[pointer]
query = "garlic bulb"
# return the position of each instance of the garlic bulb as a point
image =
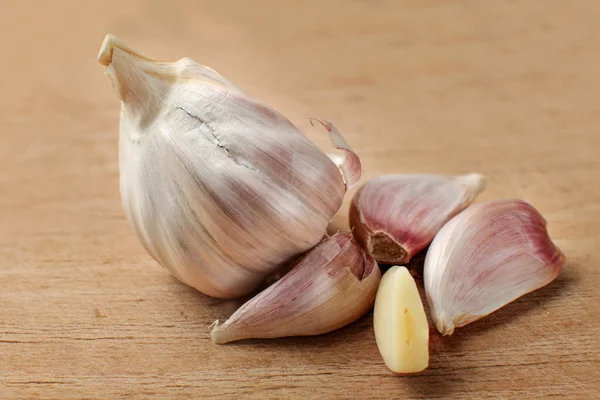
(333, 285)
(396, 216)
(487, 256)
(400, 323)
(220, 188)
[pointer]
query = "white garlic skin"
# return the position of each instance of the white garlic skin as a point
(220, 188)
(485, 257)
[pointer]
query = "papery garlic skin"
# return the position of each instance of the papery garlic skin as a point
(220, 188)
(487, 256)
(400, 323)
(396, 216)
(333, 285)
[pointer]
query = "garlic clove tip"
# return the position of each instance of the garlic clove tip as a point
(472, 183)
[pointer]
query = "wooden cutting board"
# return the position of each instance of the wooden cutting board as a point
(510, 89)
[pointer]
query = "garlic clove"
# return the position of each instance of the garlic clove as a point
(484, 258)
(396, 216)
(221, 189)
(400, 323)
(333, 285)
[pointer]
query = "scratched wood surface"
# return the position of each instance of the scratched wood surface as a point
(510, 89)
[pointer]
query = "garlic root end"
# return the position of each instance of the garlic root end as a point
(385, 249)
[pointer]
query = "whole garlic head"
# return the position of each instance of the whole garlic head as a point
(220, 188)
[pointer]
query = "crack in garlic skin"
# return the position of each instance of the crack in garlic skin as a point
(212, 131)
(220, 189)
(486, 257)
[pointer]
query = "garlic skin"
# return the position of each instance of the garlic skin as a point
(333, 285)
(220, 188)
(394, 217)
(400, 323)
(487, 256)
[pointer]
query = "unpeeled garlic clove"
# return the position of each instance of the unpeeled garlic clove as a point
(400, 323)
(220, 188)
(484, 258)
(333, 285)
(396, 216)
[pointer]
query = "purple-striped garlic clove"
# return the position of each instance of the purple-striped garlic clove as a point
(333, 285)
(484, 258)
(396, 216)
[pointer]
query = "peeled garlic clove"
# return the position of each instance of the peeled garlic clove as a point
(333, 285)
(401, 328)
(220, 188)
(396, 216)
(484, 258)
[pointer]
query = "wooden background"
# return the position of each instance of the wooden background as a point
(510, 89)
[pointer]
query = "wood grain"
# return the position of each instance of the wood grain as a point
(510, 89)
